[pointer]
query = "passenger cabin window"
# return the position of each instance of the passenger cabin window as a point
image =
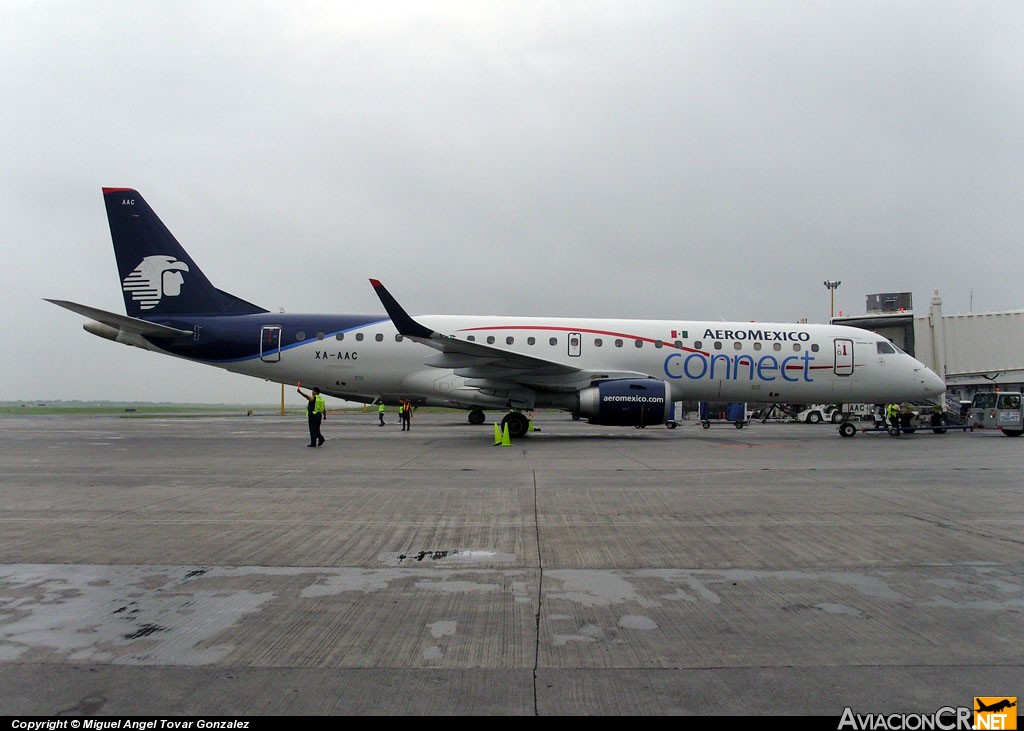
(796, 347)
(598, 342)
(776, 346)
(553, 341)
(471, 338)
(531, 340)
(379, 337)
(737, 345)
(300, 335)
(638, 343)
(679, 344)
(618, 342)
(757, 346)
(697, 344)
(659, 344)
(718, 345)
(339, 336)
(319, 336)
(814, 347)
(490, 340)
(509, 340)
(359, 337)
(398, 338)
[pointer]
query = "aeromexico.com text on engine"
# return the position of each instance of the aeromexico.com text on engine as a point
(635, 399)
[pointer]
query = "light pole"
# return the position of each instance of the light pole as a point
(832, 291)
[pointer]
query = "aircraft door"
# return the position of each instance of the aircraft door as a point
(270, 343)
(575, 345)
(844, 357)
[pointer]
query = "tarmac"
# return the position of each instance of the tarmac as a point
(216, 566)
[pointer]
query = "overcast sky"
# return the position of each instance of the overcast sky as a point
(680, 159)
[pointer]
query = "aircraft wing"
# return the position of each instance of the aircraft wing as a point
(123, 322)
(490, 365)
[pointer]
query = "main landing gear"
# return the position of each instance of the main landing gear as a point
(517, 423)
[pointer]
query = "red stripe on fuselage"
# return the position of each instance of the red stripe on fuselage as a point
(610, 333)
(558, 328)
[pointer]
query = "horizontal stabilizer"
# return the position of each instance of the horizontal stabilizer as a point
(122, 322)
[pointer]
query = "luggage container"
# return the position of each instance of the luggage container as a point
(723, 413)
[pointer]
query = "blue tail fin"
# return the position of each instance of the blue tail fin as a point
(158, 277)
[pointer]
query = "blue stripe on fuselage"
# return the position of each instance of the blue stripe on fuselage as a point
(236, 338)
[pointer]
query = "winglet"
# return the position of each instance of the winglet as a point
(403, 323)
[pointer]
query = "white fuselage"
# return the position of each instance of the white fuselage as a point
(713, 361)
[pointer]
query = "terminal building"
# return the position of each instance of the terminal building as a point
(972, 351)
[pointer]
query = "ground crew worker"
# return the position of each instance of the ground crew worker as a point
(380, 413)
(405, 411)
(316, 411)
(892, 411)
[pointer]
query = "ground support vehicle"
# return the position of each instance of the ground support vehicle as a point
(817, 413)
(730, 413)
(935, 422)
(1003, 410)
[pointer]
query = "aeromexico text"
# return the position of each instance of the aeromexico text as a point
(698, 366)
(791, 336)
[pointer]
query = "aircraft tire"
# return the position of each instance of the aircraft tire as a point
(477, 417)
(517, 423)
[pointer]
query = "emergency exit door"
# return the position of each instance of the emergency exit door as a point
(575, 345)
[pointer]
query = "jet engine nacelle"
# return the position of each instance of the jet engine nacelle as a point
(633, 402)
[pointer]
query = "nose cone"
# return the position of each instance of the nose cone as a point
(933, 385)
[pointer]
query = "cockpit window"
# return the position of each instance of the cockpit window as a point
(885, 348)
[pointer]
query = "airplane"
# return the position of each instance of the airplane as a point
(996, 707)
(613, 372)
